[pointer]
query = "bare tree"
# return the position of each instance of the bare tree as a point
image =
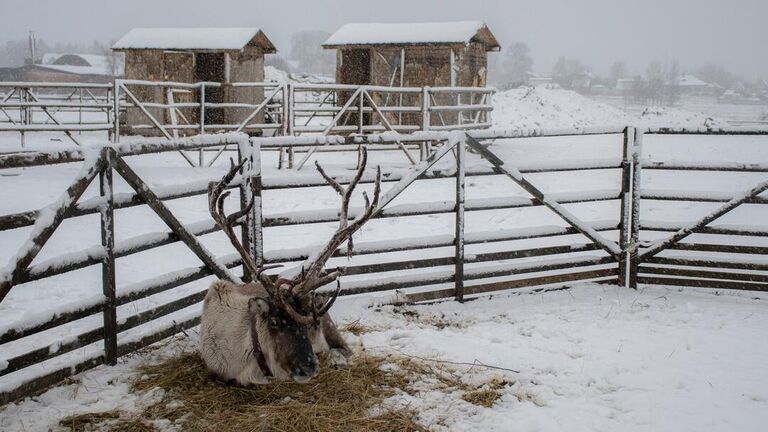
(306, 48)
(618, 71)
(517, 65)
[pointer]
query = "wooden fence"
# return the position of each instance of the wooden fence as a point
(27, 107)
(727, 257)
(445, 269)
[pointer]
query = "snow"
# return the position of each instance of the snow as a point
(212, 38)
(591, 358)
(544, 107)
(460, 32)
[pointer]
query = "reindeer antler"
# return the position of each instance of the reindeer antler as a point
(312, 275)
(217, 194)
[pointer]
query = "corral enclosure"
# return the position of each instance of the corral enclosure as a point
(510, 238)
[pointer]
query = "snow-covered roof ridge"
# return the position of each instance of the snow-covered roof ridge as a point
(424, 33)
(194, 38)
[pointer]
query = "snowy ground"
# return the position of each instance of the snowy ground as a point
(592, 358)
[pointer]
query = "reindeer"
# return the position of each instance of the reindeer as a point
(274, 326)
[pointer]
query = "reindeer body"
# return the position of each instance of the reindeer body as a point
(231, 318)
(275, 327)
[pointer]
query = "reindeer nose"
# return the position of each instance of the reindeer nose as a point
(303, 372)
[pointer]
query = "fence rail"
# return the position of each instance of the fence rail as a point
(70, 108)
(578, 250)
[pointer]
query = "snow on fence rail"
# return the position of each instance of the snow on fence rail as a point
(443, 270)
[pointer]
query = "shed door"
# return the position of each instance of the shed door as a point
(356, 69)
(357, 66)
(210, 67)
(178, 66)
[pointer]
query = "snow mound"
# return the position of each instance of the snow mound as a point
(553, 108)
(675, 118)
(274, 74)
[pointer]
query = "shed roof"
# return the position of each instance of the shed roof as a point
(427, 33)
(194, 39)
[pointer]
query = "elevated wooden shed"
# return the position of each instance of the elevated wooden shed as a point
(436, 54)
(191, 55)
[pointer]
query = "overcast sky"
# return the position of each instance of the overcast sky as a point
(729, 32)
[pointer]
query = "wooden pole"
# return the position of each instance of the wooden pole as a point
(116, 112)
(634, 239)
(625, 227)
(108, 262)
(459, 233)
(402, 83)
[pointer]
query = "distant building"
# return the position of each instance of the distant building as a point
(625, 84)
(535, 79)
(434, 54)
(83, 64)
(430, 54)
(70, 67)
(190, 55)
(691, 85)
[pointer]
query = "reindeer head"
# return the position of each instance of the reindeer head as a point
(289, 311)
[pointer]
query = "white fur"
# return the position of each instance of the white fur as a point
(225, 334)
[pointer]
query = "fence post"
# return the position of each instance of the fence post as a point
(250, 188)
(425, 120)
(202, 108)
(286, 107)
(626, 205)
(108, 262)
(360, 109)
(116, 112)
(459, 235)
(634, 240)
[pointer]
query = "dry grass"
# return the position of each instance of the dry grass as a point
(357, 328)
(485, 398)
(335, 400)
(486, 395)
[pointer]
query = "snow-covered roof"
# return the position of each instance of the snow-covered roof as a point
(196, 39)
(691, 81)
(88, 64)
(427, 33)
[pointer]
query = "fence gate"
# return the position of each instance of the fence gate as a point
(720, 263)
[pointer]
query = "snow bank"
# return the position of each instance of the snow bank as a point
(675, 118)
(547, 108)
(274, 74)
(554, 108)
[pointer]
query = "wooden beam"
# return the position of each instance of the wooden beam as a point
(695, 226)
(46, 226)
(162, 211)
(612, 248)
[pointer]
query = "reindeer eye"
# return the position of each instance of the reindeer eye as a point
(274, 322)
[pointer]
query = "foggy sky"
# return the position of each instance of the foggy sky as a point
(732, 33)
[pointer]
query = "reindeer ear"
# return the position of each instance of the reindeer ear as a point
(258, 306)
